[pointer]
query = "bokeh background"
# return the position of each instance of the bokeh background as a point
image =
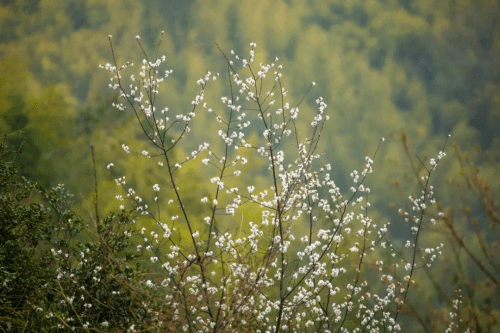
(409, 71)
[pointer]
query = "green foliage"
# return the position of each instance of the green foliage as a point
(24, 225)
(57, 271)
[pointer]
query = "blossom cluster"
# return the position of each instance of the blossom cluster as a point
(314, 259)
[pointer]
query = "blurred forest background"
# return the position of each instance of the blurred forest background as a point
(410, 71)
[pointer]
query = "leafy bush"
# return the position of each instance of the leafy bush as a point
(58, 272)
(23, 225)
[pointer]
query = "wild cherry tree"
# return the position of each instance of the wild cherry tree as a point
(313, 261)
